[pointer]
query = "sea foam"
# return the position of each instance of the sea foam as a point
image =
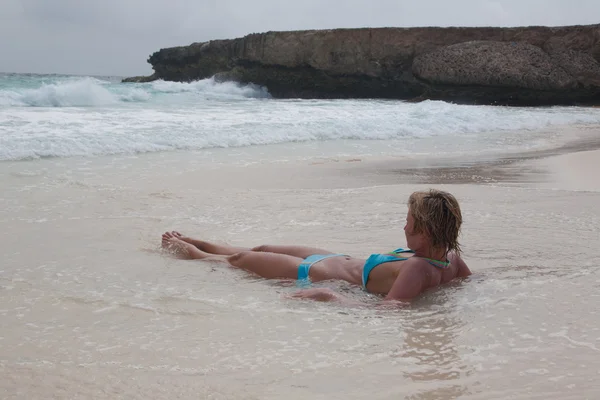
(75, 116)
(92, 92)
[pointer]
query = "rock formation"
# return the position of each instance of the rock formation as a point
(513, 66)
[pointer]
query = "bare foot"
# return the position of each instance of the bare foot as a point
(199, 244)
(179, 236)
(208, 247)
(182, 249)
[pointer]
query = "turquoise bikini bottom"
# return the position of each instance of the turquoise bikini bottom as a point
(309, 261)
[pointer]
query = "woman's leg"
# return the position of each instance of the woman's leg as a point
(296, 251)
(208, 247)
(267, 265)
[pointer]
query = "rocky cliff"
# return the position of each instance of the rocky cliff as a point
(515, 66)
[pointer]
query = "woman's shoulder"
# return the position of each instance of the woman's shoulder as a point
(462, 268)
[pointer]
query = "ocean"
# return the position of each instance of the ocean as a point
(93, 171)
(46, 116)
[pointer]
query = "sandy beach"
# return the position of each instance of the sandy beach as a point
(91, 308)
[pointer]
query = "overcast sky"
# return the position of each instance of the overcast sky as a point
(115, 37)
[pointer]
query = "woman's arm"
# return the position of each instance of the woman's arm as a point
(328, 295)
(410, 283)
(325, 295)
(317, 294)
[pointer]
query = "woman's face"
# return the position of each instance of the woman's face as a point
(413, 240)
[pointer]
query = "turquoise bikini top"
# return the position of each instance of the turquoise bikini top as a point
(436, 263)
(377, 259)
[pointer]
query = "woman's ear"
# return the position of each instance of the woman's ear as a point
(427, 232)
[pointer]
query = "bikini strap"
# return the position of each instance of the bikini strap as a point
(401, 250)
(437, 263)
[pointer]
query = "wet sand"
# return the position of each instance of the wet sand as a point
(91, 308)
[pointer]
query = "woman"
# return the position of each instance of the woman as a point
(432, 227)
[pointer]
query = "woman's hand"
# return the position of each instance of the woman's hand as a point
(317, 294)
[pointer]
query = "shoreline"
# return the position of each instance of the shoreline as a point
(528, 166)
(523, 167)
(88, 293)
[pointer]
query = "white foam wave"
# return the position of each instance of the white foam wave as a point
(402, 128)
(75, 116)
(92, 92)
(72, 93)
(435, 118)
(135, 95)
(211, 88)
(9, 98)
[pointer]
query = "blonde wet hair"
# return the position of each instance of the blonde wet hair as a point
(437, 214)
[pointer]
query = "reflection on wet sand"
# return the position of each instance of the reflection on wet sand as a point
(431, 344)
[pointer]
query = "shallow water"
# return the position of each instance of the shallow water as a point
(90, 307)
(92, 172)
